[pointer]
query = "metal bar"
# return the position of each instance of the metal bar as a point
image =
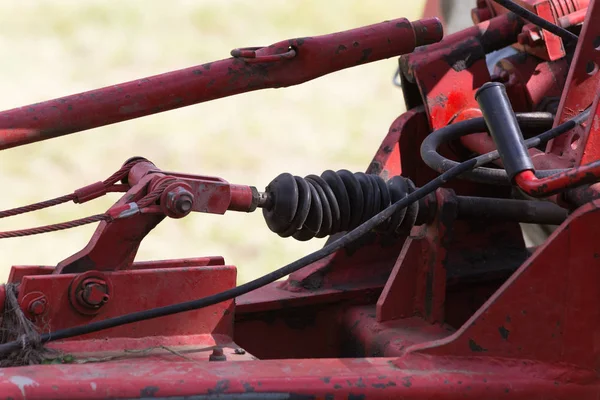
(539, 212)
(312, 57)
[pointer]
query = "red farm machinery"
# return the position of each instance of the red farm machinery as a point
(425, 288)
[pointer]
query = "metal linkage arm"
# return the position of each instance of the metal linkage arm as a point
(282, 64)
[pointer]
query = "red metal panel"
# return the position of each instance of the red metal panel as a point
(546, 311)
(138, 290)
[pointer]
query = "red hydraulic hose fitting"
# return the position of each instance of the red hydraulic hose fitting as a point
(504, 128)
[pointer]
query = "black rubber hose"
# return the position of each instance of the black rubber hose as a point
(439, 163)
(503, 126)
(537, 20)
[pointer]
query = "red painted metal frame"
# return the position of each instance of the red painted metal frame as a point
(580, 91)
(470, 363)
(458, 309)
(145, 285)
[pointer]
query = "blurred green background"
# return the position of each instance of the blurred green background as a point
(56, 48)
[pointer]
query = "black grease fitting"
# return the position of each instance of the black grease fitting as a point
(197, 72)
(388, 149)
(355, 44)
(475, 347)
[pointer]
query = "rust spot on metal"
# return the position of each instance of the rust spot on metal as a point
(340, 48)
(220, 387)
(503, 332)
(149, 391)
(356, 396)
(383, 385)
(365, 56)
(475, 347)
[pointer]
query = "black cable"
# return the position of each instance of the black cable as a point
(345, 240)
(439, 163)
(537, 20)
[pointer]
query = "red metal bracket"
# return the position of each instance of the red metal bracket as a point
(114, 244)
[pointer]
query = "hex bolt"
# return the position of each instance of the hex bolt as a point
(93, 293)
(180, 202)
(217, 355)
(37, 306)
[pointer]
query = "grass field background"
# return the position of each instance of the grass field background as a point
(55, 48)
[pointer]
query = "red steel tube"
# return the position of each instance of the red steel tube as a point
(312, 57)
(535, 187)
(572, 19)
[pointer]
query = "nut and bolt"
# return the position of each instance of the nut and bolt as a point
(179, 202)
(217, 355)
(37, 306)
(93, 293)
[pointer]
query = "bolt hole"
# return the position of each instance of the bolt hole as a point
(597, 43)
(591, 68)
(575, 141)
